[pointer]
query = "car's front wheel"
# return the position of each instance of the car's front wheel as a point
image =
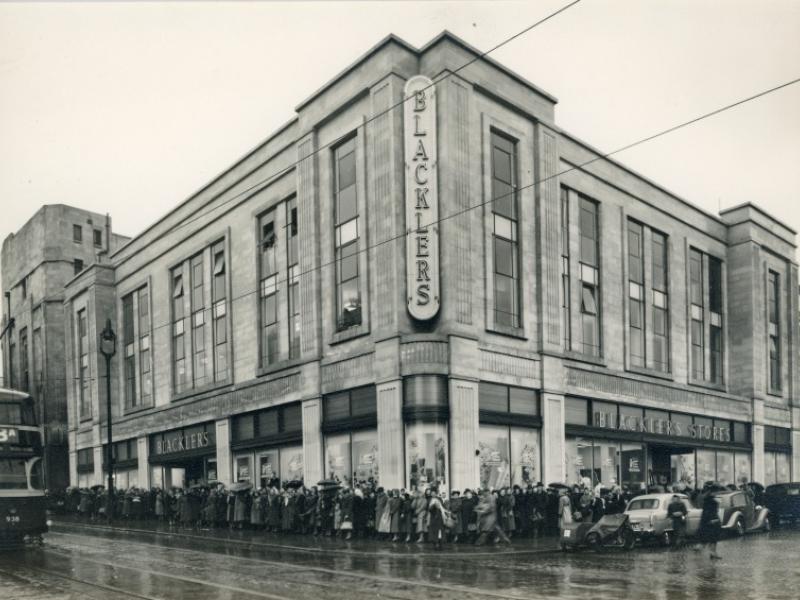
(739, 527)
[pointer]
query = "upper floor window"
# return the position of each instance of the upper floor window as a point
(589, 276)
(23, 359)
(84, 399)
(143, 326)
(636, 301)
(347, 236)
(705, 311)
(98, 238)
(24, 287)
(178, 331)
(505, 240)
(293, 278)
(198, 311)
(219, 296)
(77, 266)
(660, 262)
(77, 234)
(268, 286)
(566, 312)
(137, 367)
(773, 320)
(129, 358)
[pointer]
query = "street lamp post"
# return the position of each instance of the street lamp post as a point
(108, 348)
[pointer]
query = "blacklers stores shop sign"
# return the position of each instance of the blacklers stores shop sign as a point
(422, 201)
(188, 441)
(662, 426)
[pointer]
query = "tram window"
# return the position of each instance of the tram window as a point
(37, 479)
(12, 474)
(11, 414)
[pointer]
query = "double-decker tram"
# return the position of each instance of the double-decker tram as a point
(23, 514)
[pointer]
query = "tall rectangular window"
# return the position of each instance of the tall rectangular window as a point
(505, 240)
(24, 375)
(37, 360)
(145, 365)
(219, 296)
(129, 358)
(697, 317)
(566, 313)
(773, 314)
(636, 301)
(178, 331)
(84, 403)
(198, 298)
(715, 319)
(347, 235)
(590, 277)
(12, 353)
(660, 329)
(77, 234)
(270, 348)
(77, 266)
(293, 278)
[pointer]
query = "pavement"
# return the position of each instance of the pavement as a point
(80, 561)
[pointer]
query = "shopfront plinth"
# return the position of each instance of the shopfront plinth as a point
(223, 451)
(464, 416)
(312, 441)
(553, 438)
(391, 434)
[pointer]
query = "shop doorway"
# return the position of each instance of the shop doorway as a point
(670, 465)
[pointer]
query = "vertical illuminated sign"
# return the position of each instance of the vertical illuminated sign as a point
(422, 202)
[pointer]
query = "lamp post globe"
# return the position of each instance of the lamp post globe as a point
(108, 348)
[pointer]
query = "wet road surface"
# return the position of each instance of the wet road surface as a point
(78, 562)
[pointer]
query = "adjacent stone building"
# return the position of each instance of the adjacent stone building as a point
(58, 242)
(450, 290)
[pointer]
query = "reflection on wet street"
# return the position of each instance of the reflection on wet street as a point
(82, 562)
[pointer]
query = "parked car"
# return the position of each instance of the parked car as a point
(740, 514)
(783, 502)
(650, 521)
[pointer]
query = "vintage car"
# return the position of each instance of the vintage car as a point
(740, 514)
(783, 502)
(650, 520)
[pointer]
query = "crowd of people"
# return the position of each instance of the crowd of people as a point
(364, 510)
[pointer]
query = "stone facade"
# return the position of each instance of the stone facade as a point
(38, 261)
(430, 409)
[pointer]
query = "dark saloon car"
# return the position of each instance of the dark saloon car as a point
(739, 514)
(783, 502)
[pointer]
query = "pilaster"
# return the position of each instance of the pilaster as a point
(758, 440)
(223, 451)
(553, 440)
(143, 466)
(312, 441)
(99, 475)
(308, 245)
(464, 434)
(391, 434)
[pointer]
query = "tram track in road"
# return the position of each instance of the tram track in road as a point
(396, 588)
(43, 574)
(324, 551)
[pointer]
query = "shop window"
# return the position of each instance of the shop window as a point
(426, 455)
(292, 464)
(706, 467)
(352, 457)
(682, 469)
(742, 467)
(576, 411)
(494, 446)
(269, 468)
(243, 469)
(725, 468)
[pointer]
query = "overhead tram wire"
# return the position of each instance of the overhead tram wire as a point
(534, 183)
(271, 178)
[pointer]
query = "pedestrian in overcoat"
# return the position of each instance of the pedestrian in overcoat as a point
(421, 514)
(394, 507)
(454, 506)
(710, 524)
(436, 529)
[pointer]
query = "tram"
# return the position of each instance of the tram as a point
(23, 515)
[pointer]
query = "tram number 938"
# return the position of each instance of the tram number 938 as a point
(12, 519)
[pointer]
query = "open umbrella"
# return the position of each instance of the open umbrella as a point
(558, 486)
(240, 486)
(328, 484)
(297, 483)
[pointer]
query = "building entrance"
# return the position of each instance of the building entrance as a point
(670, 465)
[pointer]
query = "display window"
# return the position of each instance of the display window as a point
(243, 470)
(352, 456)
(426, 455)
(592, 462)
(777, 467)
(493, 444)
(525, 456)
(725, 472)
(268, 468)
(682, 469)
(292, 463)
(743, 468)
(706, 466)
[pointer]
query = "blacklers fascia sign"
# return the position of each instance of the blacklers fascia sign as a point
(422, 201)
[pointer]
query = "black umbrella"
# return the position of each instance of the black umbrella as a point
(297, 483)
(240, 486)
(558, 486)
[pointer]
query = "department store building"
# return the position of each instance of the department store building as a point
(448, 290)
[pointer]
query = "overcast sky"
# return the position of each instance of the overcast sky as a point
(129, 108)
